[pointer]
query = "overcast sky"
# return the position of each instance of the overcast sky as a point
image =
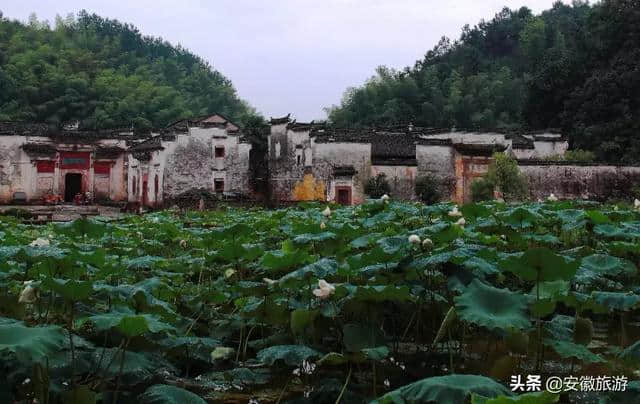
(293, 56)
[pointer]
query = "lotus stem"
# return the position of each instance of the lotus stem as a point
(344, 387)
(124, 351)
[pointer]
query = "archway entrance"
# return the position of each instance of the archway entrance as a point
(72, 186)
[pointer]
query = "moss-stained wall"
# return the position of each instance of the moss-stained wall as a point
(597, 182)
(438, 161)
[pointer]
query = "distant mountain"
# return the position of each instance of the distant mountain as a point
(104, 73)
(573, 67)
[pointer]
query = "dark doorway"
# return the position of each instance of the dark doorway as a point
(72, 186)
(343, 195)
(145, 194)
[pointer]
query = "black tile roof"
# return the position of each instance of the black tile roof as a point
(280, 121)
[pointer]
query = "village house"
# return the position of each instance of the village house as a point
(205, 152)
(37, 162)
(306, 161)
(309, 161)
(146, 169)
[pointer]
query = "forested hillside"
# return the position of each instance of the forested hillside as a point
(574, 67)
(104, 73)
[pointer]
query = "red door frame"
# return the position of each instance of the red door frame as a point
(343, 188)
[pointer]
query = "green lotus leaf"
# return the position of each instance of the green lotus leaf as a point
(291, 355)
(30, 344)
(451, 389)
(616, 300)
(492, 308)
(83, 227)
(240, 376)
(474, 211)
(69, 289)
(301, 319)
(380, 293)
(540, 397)
(357, 337)
(631, 352)
(520, 217)
(137, 367)
(596, 266)
(128, 324)
(166, 394)
(308, 238)
(287, 258)
(321, 269)
(392, 245)
(190, 347)
(568, 349)
(540, 264)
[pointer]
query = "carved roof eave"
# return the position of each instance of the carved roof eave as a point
(280, 121)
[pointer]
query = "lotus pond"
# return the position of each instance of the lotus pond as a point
(386, 301)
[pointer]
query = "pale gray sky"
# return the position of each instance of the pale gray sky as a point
(293, 56)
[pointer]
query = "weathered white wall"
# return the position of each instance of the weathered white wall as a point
(189, 162)
(401, 179)
(438, 161)
(581, 181)
(327, 156)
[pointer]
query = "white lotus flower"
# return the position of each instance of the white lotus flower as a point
(539, 200)
(435, 220)
(183, 243)
(552, 198)
(615, 208)
(268, 281)
(461, 222)
(427, 243)
(40, 242)
(29, 294)
(636, 203)
(414, 239)
(502, 236)
(326, 212)
(384, 197)
(323, 226)
(324, 290)
(455, 212)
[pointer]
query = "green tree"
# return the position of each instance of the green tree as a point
(505, 175)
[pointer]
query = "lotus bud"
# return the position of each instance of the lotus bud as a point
(324, 290)
(40, 242)
(615, 208)
(427, 243)
(183, 243)
(414, 239)
(323, 226)
(552, 198)
(326, 212)
(384, 198)
(461, 222)
(29, 294)
(268, 281)
(636, 203)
